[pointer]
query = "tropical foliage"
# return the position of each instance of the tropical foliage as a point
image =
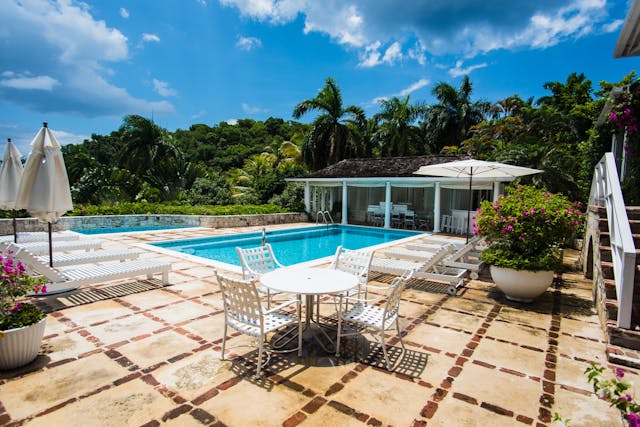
(15, 283)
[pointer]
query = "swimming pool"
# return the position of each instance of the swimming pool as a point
(291, 246)
(108, 230)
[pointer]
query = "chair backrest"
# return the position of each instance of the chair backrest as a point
(241, 300)
(392, 306)
(35, 265)
(257, 261)
(357, 263)
(431, 264)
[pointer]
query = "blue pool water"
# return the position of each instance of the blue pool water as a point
(128, 229)
(290, 246)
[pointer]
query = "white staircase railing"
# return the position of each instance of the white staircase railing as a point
(606, 192)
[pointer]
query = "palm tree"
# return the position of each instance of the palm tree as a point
(144, 143)
(448, 122)
(396, 135)
(331, 138)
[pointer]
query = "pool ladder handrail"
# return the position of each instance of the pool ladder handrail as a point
(326, 218)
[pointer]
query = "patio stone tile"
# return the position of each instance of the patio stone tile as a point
(157, 348)
(582, 349)
(571, 373)
(581, 329)
(468, 305)
(456, 319)
(200, 272)
(65, 346)
(439, 338)
(251, 403)
(131, 404)
(210, 329)
(146, 300)
(96, 312)
(195, 375)
(329, 416)
(437, 369)
(193, 288)
(523, 335)
(510, 356)
(422, 296)
(185, 420)
(39, 391)
(455, 412)
(179, 276)
(53, 326)
(380, 395)
(489, 385)
(412, 310)
(525, 316)
(317, 378)
(585, 411)
(123, 329)
(185, 310)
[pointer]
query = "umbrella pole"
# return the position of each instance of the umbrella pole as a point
(50, 246)
(15, 228)
(466, 232)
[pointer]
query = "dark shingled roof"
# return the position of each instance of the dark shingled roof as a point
(380, 167)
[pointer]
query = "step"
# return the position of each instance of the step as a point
(605, 239)
(626, 338)
(605, 254)
(607, 272)
(623, 356)
(609, 289)
(633, 212)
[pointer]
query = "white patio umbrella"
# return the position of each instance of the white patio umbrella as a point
(475, 168)
(10, 174)
(44, 189)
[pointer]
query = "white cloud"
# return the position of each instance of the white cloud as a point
(232, 122)
(65, 60)
(24, 82)
(248, 43)
(65, 138)
(162, 88)
(249, 109)
(465, 27)
(404, 92)
(202, 2)
(146, 37)
(458, 71)
(124, 13)
(613, 26)
(199, 114)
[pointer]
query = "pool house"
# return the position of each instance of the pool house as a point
(385, 192)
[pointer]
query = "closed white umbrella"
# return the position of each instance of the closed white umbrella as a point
(10, 174)
(44, 189)
(475, 168)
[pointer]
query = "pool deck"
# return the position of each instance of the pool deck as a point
(150, 355)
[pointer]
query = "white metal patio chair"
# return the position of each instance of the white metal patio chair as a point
(244, 313)
(366, 315)
(257, 261)
(68, 280)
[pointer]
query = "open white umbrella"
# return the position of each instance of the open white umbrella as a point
(10, 174)
(44, 189)
(475, 168)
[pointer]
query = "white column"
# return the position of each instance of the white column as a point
(323, 206)
(331, 197)
(345, 202)
(307, 197)
(436, 207)
(496, 190)
(387, 206)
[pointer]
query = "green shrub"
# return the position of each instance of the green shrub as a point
(291, 198)
(172, 208)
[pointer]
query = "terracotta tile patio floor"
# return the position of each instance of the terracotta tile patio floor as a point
(153, 358)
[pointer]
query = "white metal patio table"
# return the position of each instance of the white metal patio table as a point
(310, 282)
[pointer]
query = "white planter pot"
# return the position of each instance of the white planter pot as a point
(21, 345)
(521, 285)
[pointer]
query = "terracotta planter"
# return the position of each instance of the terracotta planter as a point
(21, 345)
(521, 285)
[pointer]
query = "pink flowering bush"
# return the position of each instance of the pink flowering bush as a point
(527, 227)
(617, 391)
(626, 109)
(15, 283)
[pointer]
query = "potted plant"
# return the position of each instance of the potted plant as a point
(526, 230)
(21, 323)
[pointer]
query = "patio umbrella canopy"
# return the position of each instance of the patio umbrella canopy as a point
(10, 174)
(475, 168)
(44, 189)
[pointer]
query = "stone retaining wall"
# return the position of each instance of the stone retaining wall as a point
(111, 221)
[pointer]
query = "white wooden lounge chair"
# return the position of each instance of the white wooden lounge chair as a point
(67, 280)
(92, 257)
(41, 236)
(42, 248)
(466, 257)
(430, 269)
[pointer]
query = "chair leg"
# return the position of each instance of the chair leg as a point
(224, 339)
(399, 334)
(299, 325)
(260, 345)
(384, 350)
(339, 327)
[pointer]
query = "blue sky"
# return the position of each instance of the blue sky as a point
(82, 66)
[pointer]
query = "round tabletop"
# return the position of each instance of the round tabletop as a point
(309, 281)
